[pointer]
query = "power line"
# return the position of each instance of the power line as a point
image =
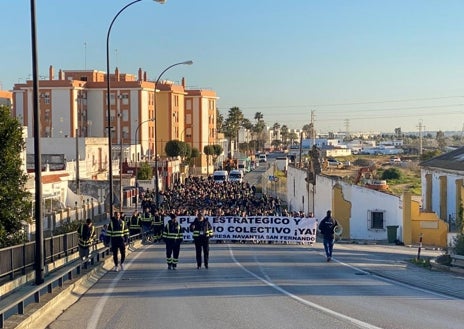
(343, 104)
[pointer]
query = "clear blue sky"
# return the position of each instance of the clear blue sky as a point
(374, 65)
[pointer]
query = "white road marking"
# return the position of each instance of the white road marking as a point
(98, 310)
(359, 323)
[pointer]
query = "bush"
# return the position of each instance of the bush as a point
(459, 245)
(68, 227)
(391, 173)
(444, 260)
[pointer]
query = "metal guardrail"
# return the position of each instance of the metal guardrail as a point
(20, 259)
(16, 303)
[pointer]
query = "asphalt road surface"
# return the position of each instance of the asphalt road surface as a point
(262, 286)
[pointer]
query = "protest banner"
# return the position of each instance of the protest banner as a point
(256, 228)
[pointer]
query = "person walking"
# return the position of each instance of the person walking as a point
(327, 227)
(134, 223)
(146, 222)
(86, 232)
(104, 237)
(202, 232)
(173, 236)
(119, 233)
(158, 223)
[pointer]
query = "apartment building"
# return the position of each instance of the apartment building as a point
(74, 104)
(6, 98)
(200, 123)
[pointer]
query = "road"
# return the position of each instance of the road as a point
(263, 286)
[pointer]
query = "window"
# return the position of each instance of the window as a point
(376, 220)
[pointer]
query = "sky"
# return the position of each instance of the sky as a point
(356, 65)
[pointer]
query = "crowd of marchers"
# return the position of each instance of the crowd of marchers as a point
(197, 197)
(199, 194)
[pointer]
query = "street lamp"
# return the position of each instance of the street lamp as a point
(137, 158)
(156, 128)
(108, 99)
(39, 238)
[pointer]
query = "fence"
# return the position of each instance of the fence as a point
(20, 259)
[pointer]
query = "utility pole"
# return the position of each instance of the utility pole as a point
(421, 127)
(312, 130)
(347, 129)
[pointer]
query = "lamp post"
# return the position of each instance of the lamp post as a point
(137, 158)
(156, 128)
(39, 238)
(108, 99)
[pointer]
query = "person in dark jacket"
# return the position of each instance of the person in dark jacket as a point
(86, 232)
(173, 236)
(327, 227)
(202, 231)
(119, 233)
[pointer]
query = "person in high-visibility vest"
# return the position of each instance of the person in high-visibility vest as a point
(119, 233)
(134, 223)
(86, 232)
(158, 223)
(146, 222)
(202, 231)
(173, 237)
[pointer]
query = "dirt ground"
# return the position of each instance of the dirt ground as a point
(409, 169)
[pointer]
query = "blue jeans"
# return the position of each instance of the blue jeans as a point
(328, 246)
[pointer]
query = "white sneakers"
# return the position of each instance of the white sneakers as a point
(122, 267)
(115, 269)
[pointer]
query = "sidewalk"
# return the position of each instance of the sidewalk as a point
(439, 279)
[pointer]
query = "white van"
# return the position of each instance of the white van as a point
(220, 176)
(262, 157)
(236, 176)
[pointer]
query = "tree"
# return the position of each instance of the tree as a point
(391, 173)
(293, 136)
(145, 172)
(276, 143)
(219, 121)
(307, 130)
(259, 128)
(195, 153)
(176, 148)
(441, 139)
(233, 123)
(427, 155)
(275, 129)
(284, 134)
(15, 200)
(217, 150)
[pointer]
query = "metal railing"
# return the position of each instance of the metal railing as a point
(17, 303)
(20, 259)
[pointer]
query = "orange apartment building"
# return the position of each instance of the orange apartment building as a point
(75, 104)
(6, 98)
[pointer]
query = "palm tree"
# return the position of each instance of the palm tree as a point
(259, 127)
(284, 134)
(233, 123)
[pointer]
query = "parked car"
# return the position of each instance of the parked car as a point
(395, 160)
(220, 176)
(236, 176)
(262, 158)
(333, 163)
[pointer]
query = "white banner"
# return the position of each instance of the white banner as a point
(256, 228)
